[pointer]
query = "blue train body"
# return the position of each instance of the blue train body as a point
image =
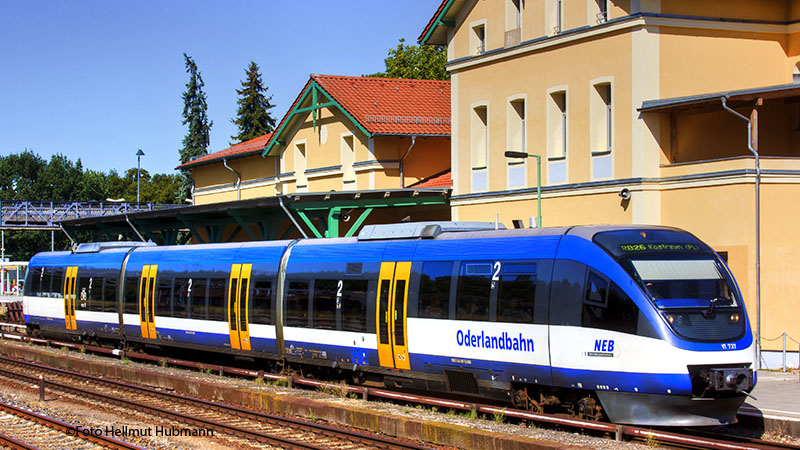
(645, 323)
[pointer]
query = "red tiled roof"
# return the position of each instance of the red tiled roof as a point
(385, 105)
(443, 179)
(253, 146)
(391, 105)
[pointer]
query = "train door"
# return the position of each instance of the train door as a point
(238, 306)
(69, 298)
(147, 294)
(391, 314)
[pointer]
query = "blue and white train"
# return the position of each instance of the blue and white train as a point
(643, 324)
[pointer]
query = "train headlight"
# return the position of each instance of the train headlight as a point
(670, 318)
(734, 318)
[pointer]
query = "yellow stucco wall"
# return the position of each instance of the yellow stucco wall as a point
(324, 149)
(606, 58)
(214, 183)
(695, 61)
(772, 10)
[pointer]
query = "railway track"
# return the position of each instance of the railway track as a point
(26, 430)
(203, 415)
(689, 439)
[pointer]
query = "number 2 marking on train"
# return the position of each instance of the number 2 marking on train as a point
(339, 295)
(497, 266)
(731, 346)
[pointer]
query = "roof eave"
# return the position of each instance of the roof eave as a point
(437, 21)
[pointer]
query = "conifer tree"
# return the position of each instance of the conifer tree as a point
(253, 117)
(197, 138)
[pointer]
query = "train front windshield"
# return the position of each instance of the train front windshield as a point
(683, 278)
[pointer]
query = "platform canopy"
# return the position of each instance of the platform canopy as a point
(333, 214)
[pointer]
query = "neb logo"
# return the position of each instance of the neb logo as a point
(604, 345)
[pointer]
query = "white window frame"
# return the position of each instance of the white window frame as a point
(595, 12)
(557, 126)
(301, 181)
(514, 14)
(348, 161)
(484, 169)
(601, 127)
(476, 44)
(516, 163)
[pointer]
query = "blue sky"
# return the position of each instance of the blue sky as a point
(97, 80)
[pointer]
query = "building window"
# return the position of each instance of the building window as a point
(513, 14)
(601, 10)
(513, 34)
(478, 39)
(348, 158)
(557, 125)
(601, 118)
(516, 142)
(601, 121)
(479, 147)
(300, 167)
(555, 16)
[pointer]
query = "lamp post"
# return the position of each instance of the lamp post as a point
(139, 155)
(511, 154)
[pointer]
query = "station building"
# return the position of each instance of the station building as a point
(374, 150)
(638, 111)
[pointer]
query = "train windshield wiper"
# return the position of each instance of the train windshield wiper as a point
(712, 305)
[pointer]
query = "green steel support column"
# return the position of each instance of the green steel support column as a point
(244, 226)
(334, 214)
(234, 233)
(358, 222)
(308, 223)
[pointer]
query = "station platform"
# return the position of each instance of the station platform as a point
(776, 406)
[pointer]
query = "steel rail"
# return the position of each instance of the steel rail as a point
(350, 435)
(65, 428)
(9, 442)
(618, 430)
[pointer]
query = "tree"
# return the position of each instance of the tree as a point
(158, 188)
(424, 62)
(18, 174)
(197, 138)
(253, 117)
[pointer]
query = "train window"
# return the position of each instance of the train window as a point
(57, 287)
(516, 293)
(131, 298)
(33, 286)
(232, 303)
(164, 297)
(607, 307)
(473, 291)
(82, 293)
(47, 279)
(198, 310)
(110, 294)
(596, 288)
(297, 304)
(354, 305)
(324, 304)
(216, 299)
(399, 310)
(434, 290)
(96, 294)
(242, 301)
(261, 310)
(383, 311)
(180, 297)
